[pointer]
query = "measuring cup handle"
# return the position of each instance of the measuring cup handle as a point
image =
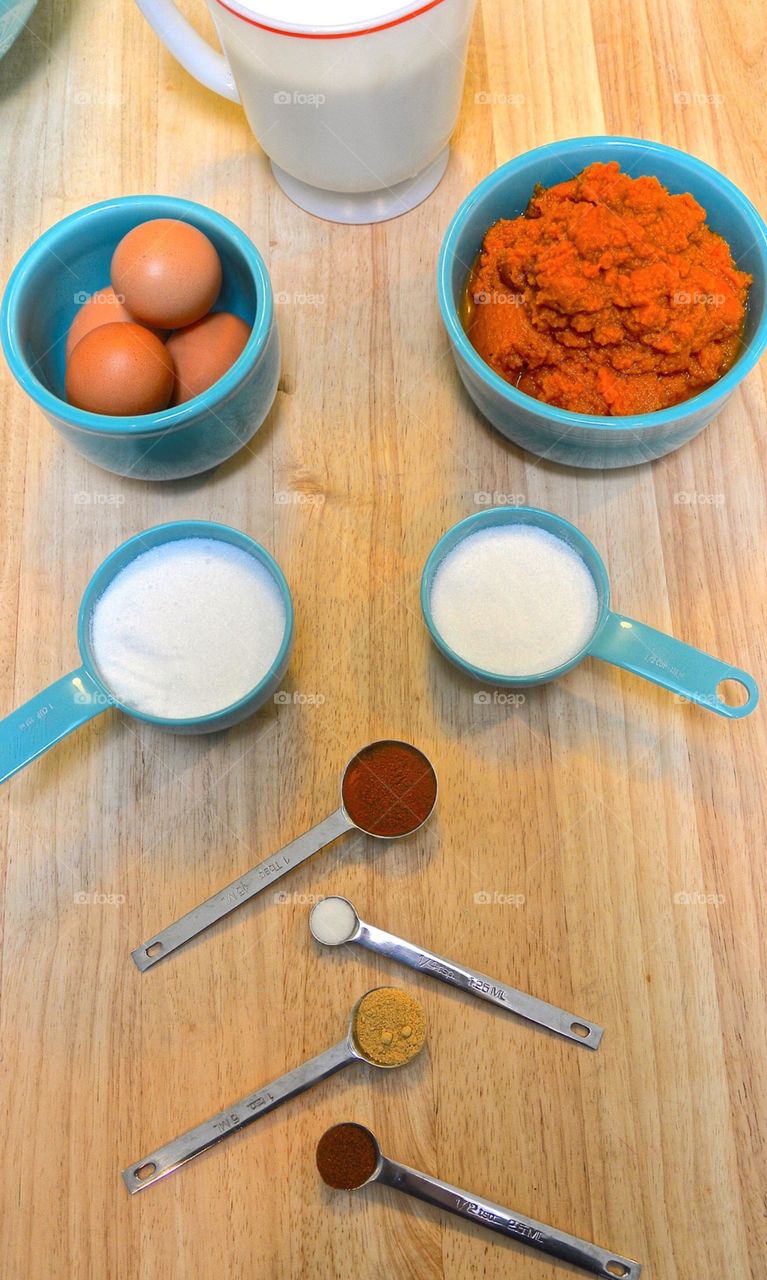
(47, 718)
(692, 674)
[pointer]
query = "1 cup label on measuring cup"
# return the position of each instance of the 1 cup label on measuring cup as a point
(38, 715)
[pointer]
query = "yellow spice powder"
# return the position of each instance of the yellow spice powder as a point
(389, 1027)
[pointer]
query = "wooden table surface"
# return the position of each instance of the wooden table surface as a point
(600, 845)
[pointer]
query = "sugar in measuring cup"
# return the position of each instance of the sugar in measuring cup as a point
(349, 1157)
(140, 652)
(516, 596)
(387, 1029)
(334, 922)
(388, 790)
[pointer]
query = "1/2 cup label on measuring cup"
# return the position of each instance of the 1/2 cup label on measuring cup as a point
(656, 661)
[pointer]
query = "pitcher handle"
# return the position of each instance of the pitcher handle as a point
(189, 48)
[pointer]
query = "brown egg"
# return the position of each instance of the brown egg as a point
(167, 272)
(203, 351)
(121, 369)
(103, 307)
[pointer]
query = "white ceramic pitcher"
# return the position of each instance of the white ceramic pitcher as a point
(355, 118)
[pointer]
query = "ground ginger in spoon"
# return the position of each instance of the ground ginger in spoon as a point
(389, 1027)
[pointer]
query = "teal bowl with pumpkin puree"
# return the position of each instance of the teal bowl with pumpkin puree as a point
(576, 439)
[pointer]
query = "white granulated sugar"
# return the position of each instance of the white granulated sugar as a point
(187, 628)
(514, 600)
(334, 920)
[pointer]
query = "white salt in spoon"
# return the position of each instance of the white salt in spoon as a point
(335, 922)
(333, 1147)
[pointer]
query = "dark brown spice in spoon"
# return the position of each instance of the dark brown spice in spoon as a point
(389, 788)
(346, 1156)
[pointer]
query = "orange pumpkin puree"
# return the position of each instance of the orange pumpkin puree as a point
(608, 296)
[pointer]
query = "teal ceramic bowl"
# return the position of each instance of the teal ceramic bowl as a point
(70, 262)
(575, 439)
(76, 698)
(691, 674)
(14, 15)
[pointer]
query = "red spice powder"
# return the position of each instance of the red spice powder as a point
(346, 1156)
(389, 788)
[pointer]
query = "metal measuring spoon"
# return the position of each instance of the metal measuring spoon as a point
(346, 927)
(291, 855)
(549, 1240)
(166, 1159)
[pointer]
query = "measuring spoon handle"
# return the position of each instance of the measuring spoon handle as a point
(190, 1144)
(692, 674)
(557, 1244)
(241, 890)
(47, 718)
(478, 984)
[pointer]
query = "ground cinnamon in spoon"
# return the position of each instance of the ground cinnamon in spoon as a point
(346, 1156)
(389, 1027)
(389, 788)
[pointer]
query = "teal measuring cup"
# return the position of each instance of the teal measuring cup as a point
(690, 673)
(76, 698)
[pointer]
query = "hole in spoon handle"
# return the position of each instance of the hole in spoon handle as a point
(694, 676)
(480, 985)
(166, 1159)
(580, 1253)
(241, 890)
